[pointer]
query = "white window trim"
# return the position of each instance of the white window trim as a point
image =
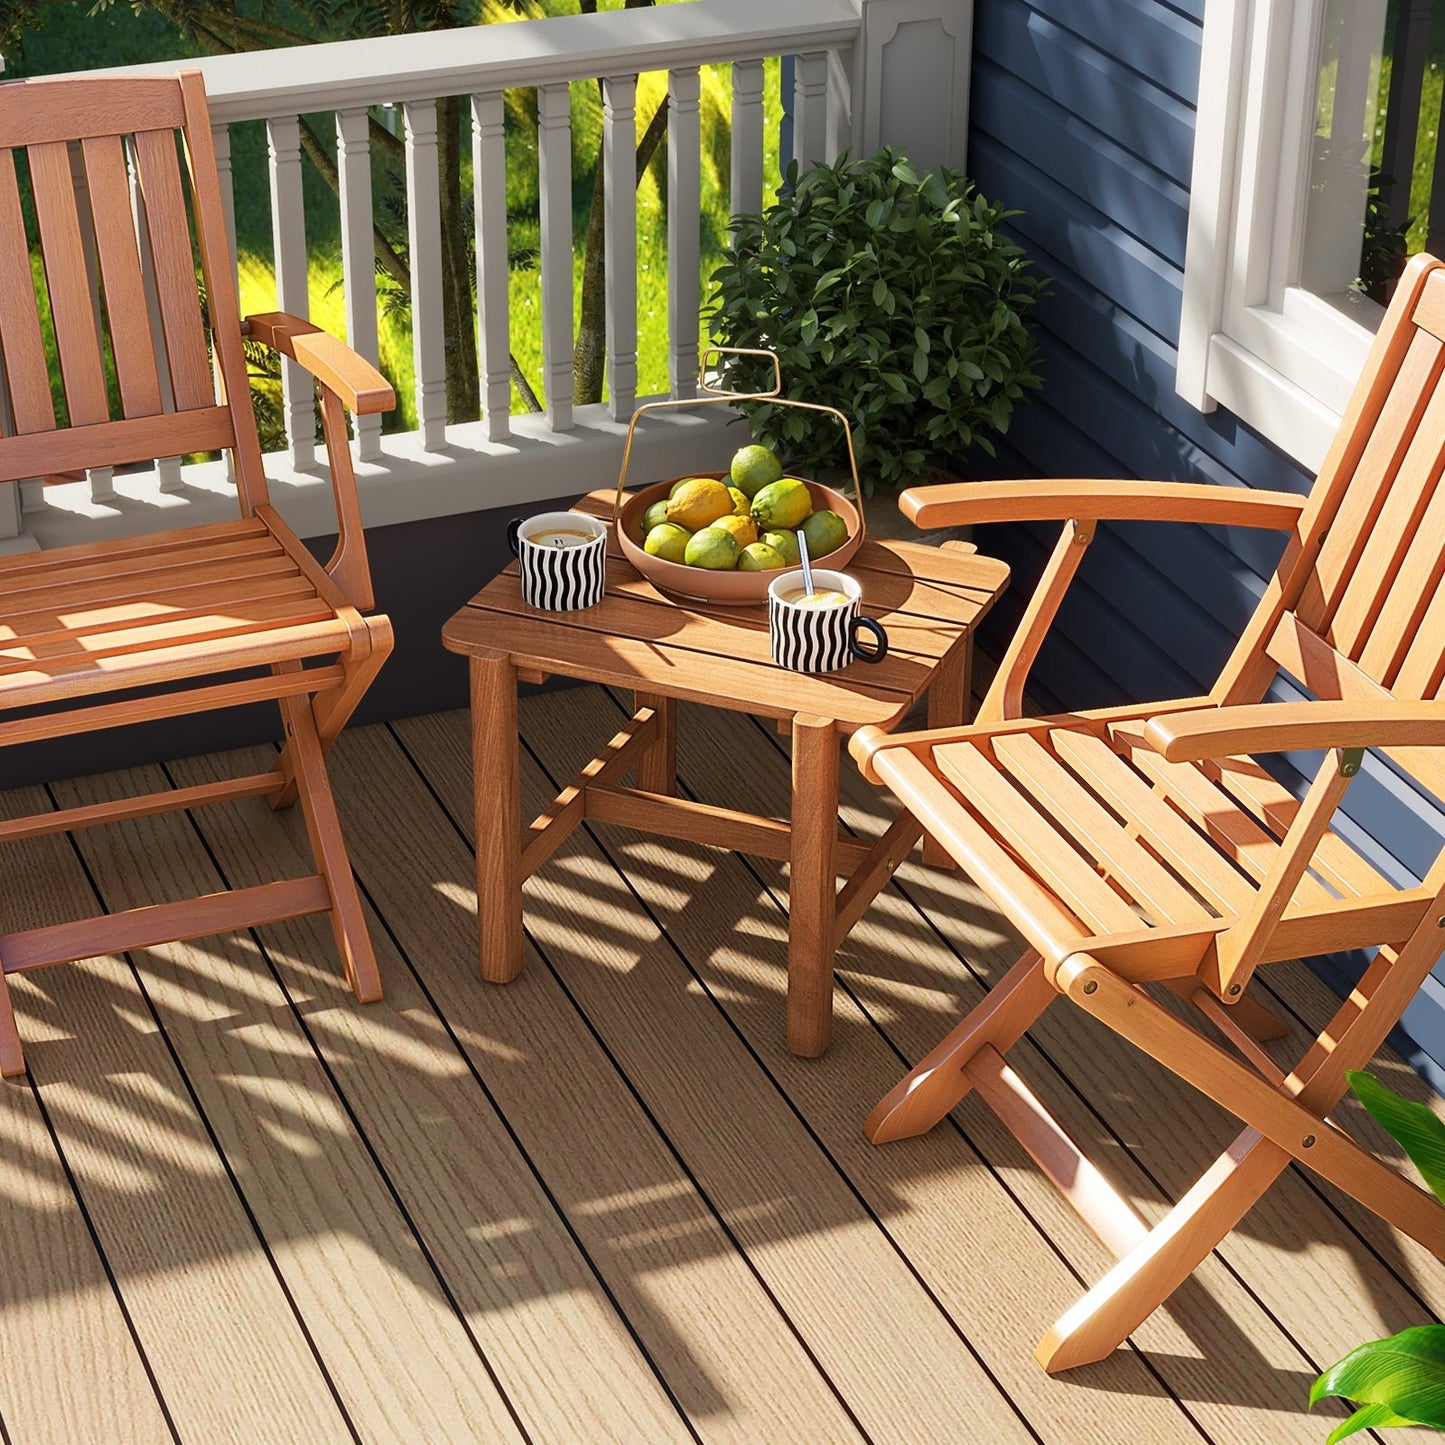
(1250, 338)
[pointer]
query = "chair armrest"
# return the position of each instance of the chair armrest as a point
(361, 387)
(1221, 732)
(954, 503)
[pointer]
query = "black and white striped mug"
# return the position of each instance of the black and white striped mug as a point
(818, 631)
(563, 557)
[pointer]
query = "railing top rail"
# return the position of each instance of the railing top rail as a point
(348, 74)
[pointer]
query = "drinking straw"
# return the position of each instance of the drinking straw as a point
(803, 558)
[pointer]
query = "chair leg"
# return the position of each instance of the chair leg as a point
(928, 1091)
(1102, 1319)
(12, 1056)
(348, 922)
(333, 709)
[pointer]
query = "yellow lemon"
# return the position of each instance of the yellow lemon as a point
(698, 503)
(741, 529)
(713, 549)
(681, 482)
(741, 502)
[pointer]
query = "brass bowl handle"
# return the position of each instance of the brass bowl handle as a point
(717, 394)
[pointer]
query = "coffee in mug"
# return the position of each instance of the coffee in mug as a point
(818, 631)
(562, 557)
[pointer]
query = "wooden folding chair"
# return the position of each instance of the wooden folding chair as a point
(177, 622)
(1144, 845)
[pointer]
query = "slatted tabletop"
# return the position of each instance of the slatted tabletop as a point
(928, 598)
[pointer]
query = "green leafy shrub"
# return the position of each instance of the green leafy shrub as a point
(895, 298)
(1401, 1380)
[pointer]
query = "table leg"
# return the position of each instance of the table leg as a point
(813, 886)
(948, 706)
(657, 767)
(498, 800)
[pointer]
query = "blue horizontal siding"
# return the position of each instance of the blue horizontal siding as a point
(1083, 120)
(1113, 98)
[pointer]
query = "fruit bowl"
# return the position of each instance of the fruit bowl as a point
(730, 589)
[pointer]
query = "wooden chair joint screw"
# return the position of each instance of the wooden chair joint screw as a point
(1234, 990)
(1091, 987)
(1308, 1142)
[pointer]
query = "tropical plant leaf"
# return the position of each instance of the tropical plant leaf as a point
(1367, 1417)
(1405, 1372)
(1412, 1126)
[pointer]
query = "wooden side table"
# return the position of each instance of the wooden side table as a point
(929, 598)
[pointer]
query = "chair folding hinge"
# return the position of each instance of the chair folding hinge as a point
(1351, 760)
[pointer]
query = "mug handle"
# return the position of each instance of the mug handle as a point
(513, 527)
(868, 654)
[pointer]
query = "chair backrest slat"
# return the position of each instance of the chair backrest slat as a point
(1358, 622)
(72, 310)
(175, 268)
(1352, 527)
(25, 363)
(125, 301)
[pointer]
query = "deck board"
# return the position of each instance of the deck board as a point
(602, 1202)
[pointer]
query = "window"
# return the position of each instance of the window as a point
(1276, 320)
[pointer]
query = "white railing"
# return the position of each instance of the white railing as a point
(501, 459)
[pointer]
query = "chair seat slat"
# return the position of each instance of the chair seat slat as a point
(1201, 865)
(1096, 831)
(81, 630)
(1047, 853)
(1212, 810)
(65, 650)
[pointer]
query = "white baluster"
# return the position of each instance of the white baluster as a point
(221, 140)
(619, 151)
(747, 137)
(554, 183)
(358, 256)
(168, 469)
(424, 240)
(684, 205)
(288, 239)
(489, 192)
(810, 108)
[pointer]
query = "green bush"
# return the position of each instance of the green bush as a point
(895, 299)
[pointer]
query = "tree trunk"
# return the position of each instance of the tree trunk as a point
(463, 384)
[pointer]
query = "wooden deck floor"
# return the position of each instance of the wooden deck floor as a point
(602, 1203)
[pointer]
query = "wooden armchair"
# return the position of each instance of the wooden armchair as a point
(177, 622)
(1144, 846)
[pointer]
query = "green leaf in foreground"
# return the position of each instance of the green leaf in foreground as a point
(1367, 1417)
(1412, 1126)
(1405, 1373)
